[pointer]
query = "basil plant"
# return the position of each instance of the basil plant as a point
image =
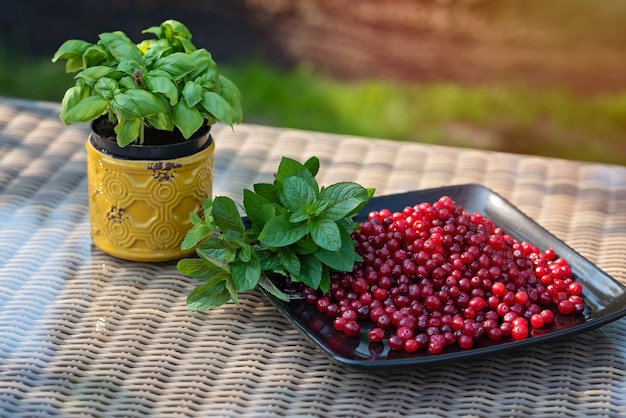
(164, 82)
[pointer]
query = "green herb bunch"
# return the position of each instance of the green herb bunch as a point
(294, 228)
(165, 82)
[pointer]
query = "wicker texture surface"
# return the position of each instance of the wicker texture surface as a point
(85, 334)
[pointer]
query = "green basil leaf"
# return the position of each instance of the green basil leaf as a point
(324, 285)
(370, 193)
(279, 232)
(217, 106)
(226, 215)
(147, 103)
(309, 211)
(106, 87)
(204, 65)
(177, 65)
(94, 55)
(155, 30)
(120, 46)
(127, 82)
(74, 64)
(162, 121)
(153, 50)
(208, 78)
(187, 119)
(326, 233)
(163, 85)
(176, 28)
(230, 92)
(127, 131)
(133, 69)
(93, 74)
(136, 103)
(86, 110)
(193, 93)
(71, 98)
(72, 48)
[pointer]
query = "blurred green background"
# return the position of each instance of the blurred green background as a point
(526, 76)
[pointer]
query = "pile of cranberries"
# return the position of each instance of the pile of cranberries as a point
(434, 275)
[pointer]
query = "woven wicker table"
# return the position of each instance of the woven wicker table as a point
(85, 334)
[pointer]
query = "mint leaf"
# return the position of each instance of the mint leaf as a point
(324, 285)
(313, 165)
(245, 252)
(279, 232)
(310, 272)
(232, 290)
(301, 214)
(246, 275)
(294, 229)
(326, 234)
(343, 199)
(305, 246)
(208, 296)
(263, 215)
(344, 258)
(296, 193)
(198, 269)
(200, 231)
(226, 215)
(269, 260)
(194, 236)
(268, 191)
(289, 261)
(272, 289)
(216, 256)
(292, 168)
(252, 202)
(216, 248)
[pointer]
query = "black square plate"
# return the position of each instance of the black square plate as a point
(605, 297)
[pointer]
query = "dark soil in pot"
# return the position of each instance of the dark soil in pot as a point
(158, 144)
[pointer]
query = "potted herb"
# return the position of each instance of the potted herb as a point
(150, 155)
(293, 228)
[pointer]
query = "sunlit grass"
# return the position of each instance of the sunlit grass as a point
(513, 118)
(503, 117)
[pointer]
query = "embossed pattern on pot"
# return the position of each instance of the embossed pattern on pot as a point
(140, 209)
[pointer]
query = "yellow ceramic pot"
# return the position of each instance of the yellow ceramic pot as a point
(139, 209)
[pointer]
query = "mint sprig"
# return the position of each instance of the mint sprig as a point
(293, 228)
